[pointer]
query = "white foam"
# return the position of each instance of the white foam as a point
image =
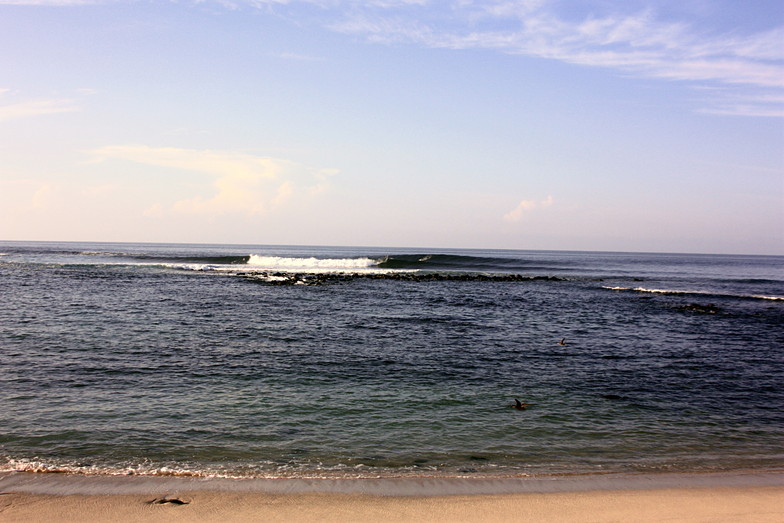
(774, 298)
(187, 266)
(418, 484)
(282, 264)
(269, 268)
(707, 293)
(37, 466)
(656, 291)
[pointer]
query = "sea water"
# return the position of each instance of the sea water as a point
(274, 361)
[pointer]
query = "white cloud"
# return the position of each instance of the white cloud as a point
(525, 206)
(765, 103)
(241, 183)
(746, 110)
(634, 42)
(155, 211)
(238, 165)
(638, 43)
(50, 2)
(43, 196)
(18, 195)
(609, 35)
(35, 108)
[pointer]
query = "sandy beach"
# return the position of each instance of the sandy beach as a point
(705, 497)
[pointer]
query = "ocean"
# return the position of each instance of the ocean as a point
(255, 361)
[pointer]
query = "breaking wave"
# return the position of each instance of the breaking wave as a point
(675, 292)
(278, 263)
(383, 263)
(386, 264)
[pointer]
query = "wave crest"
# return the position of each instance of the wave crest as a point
(673, 292)
(279, 263)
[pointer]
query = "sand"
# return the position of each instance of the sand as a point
(704, 498)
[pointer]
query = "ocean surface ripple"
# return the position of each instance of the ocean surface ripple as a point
(270, 361)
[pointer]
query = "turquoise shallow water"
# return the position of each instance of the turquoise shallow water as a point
(253, 361)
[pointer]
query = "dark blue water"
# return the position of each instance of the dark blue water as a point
(314, 361)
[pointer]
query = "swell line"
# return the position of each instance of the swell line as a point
(675, 292)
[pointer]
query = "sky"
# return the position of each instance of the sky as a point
(603, 125)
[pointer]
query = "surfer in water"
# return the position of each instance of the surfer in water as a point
(520, 405)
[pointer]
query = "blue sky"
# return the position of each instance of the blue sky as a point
(529, 124)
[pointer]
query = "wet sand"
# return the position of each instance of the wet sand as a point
(742, 497)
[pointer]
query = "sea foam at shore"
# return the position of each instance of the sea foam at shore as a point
(336, 363)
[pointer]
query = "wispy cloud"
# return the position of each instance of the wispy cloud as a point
(35, 108)
(633, 43)
(608, 34)
(526, 206)
(51, 2)
(752, 108)
(639, 43)
(240, 183)
(23, 195)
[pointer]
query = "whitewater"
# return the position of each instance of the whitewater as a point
(296, 361)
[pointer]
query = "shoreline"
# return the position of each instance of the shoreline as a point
(747, 496)
(65, 484)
